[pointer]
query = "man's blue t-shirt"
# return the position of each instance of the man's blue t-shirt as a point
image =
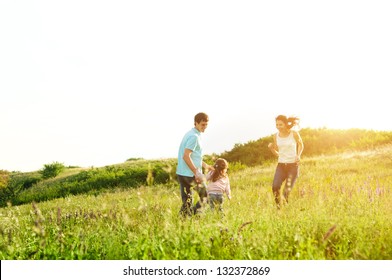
(191, 141)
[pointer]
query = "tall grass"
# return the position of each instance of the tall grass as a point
(340, 208)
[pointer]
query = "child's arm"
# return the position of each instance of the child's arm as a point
(209, 175)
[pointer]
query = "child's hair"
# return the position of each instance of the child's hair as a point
(220, 165)
(288, 121)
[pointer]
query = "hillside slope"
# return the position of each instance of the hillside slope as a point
(27, 187)
(339, 209)
(317, 142)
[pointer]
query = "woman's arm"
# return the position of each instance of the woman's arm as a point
(274, 147)
(300, 145)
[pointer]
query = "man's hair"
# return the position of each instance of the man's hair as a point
(201, 117)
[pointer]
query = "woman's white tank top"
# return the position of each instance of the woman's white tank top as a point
(287, 148)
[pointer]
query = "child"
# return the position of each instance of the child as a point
(218, 184)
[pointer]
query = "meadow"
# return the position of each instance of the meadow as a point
(340, 209)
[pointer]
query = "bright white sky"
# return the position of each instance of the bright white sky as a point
(93, 83)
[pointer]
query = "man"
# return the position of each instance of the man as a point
(190, 163)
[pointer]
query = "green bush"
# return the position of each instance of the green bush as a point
(51, 170)
(4, 177)
(16, 183)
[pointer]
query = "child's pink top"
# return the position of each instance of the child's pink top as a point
(220, 186)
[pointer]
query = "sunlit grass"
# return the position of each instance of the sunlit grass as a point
(340, 208)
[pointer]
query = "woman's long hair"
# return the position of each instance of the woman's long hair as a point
(290, 122)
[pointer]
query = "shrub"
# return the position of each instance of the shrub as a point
(16, 183)
(51, 170)
(4, 176)
(134, 159)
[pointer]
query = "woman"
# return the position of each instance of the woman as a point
(288, 147)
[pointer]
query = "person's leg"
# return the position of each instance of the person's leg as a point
(216, 201)
(279, 177)
(292, 175)
(220, 202)
(213, 200)
(202, 192)
(186, 194)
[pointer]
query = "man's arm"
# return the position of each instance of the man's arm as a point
(188, 160)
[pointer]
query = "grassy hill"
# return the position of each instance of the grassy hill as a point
(340, 208)
(28, 187)
(317, 142)
(20, 188)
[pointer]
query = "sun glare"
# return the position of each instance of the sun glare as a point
(346, 120)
